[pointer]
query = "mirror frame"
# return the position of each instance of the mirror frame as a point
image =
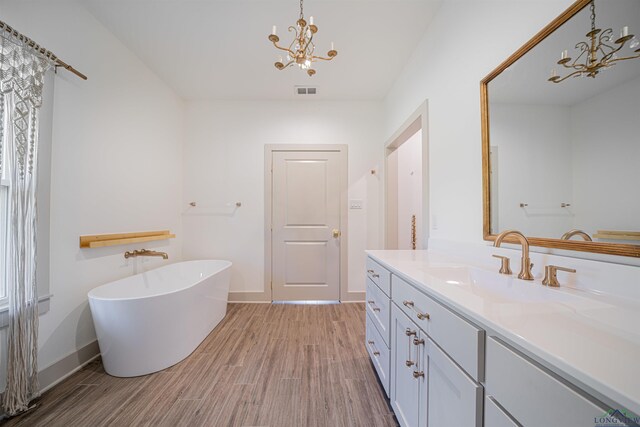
(573, 245)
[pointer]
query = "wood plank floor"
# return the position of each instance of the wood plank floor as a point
(264, 365)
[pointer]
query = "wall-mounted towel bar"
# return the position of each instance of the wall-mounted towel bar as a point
(562, 205)
(237, 204)
(215, 209)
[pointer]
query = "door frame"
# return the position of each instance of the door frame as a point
(418, 120)
(343, 149)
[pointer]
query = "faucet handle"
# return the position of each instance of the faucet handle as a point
(505, 267)
(550, 275)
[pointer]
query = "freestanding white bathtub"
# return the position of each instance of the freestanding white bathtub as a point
(150, 321)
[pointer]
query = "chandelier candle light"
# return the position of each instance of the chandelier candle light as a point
(587, 64)
(300, 51)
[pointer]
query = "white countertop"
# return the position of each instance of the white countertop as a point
(591, 340)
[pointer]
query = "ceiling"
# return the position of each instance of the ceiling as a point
(525, 82)
(218, 49)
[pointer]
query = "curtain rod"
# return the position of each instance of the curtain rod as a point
(40, 49)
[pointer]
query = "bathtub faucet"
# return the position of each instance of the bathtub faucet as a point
(145, 252)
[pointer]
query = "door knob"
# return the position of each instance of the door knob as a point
(336, 233)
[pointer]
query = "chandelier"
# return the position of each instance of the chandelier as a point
(300, 51)
(598, 53)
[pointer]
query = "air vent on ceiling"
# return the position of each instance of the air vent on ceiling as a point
(305, 90)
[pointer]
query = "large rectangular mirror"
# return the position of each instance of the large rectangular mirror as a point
(561, 133)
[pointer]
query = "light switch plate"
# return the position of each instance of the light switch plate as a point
(355, 204)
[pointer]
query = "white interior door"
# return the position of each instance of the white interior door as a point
(306, 194)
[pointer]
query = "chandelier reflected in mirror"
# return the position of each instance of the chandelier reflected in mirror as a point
(598, 53)
(301, 50)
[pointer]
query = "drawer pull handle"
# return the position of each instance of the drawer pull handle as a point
(371, 302)
(417, 341)
(419, 315)
(418, 374)
(409, 363)
(370, 271)
(375, 352)
(376, 308)
(375, 275)
(423, 316)
(408, 332)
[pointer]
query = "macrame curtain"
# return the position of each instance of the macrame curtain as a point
(22, 70)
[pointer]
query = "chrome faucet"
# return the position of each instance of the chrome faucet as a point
(145, 252)
(569, 234)
(525, 266)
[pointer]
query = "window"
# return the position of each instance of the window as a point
(44, 175)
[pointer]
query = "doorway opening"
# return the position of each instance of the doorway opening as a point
(407, 185)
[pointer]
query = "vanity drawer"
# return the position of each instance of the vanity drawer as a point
(378, 308)
(531, 395)
(379, 275)
(463, 341)
(379, 353)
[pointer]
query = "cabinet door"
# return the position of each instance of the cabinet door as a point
(494, 416)
(405, 387)
(453, 398)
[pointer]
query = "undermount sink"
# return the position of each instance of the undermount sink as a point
(508, 287)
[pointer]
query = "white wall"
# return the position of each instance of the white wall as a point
(607, 162)
(116, 162)
(466, 40)
(224, 162)
(409, 165)
(535, 159)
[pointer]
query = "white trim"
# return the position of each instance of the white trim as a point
(59, 371)
(358, 296)
(43, 307)
(344, 212)
(418, 120)
(249, 297)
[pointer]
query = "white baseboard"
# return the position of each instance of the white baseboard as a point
(249, 297)
(355, 297)
(67, 366)
(263, 297)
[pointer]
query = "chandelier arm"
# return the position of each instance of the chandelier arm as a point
(323, 58)
(568, 75)
(613, 61)
(308, 43)
(283, 48)
(574, 66)
(608, 35)
(295, 39)
(584, 48)
(609, 55)
(293, 29)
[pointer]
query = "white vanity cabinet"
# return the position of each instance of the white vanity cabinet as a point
(378, 320)
(532, 396)
(462, 352)
(408, 391)
(454, 399)
(436, 357)
(427, 387)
